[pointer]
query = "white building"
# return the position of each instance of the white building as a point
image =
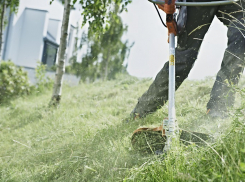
(33, 34)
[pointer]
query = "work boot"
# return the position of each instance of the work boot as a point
(133, 116)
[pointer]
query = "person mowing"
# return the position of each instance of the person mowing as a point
(193, 23)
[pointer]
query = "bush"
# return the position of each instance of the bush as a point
(43, 82)
(13, 81)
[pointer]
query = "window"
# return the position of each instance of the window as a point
(49, 52)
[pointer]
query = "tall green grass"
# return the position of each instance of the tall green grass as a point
(88, 139)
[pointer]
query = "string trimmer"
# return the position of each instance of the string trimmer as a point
(160, 138)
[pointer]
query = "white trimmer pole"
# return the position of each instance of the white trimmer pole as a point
(169, 125)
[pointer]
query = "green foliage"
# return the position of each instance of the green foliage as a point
(52, 68)
(106, 53)
(12, 4)
(69, 69)
(13, 81)
(42, 81)
(96, 12)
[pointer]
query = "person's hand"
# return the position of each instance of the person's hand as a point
(161, 6)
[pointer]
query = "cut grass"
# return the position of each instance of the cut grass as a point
(88, 139)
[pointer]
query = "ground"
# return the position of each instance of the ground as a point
(88, 139)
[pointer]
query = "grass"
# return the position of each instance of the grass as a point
(87, 138)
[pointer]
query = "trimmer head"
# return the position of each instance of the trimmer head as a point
(152, 140)
(148, 140)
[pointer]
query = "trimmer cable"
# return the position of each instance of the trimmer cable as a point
(160, 15)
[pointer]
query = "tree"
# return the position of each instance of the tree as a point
(61, 55)
(106, 52)
(12, 5)
(113, 50)
(96, 13)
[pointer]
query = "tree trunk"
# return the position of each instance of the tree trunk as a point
(56, 97)
(1, 26)
(107, 64)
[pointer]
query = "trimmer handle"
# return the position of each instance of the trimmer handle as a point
(169, 9)
(212, 3)
(169, 6)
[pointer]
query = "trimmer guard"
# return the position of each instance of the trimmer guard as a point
(150, 140)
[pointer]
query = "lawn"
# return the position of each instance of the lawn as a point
(88, 139)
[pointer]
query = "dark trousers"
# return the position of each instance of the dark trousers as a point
(189, 42)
